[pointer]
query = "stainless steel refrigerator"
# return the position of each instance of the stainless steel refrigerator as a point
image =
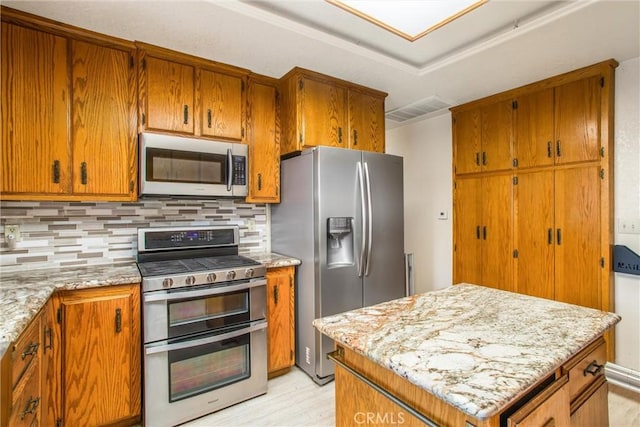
(341, 213)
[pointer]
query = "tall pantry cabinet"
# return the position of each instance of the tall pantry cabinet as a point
(533, 189)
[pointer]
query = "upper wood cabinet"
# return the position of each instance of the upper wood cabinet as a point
(189, 95)
(264, 140)
(68, 109)
(559, 125)
(322, 110)
(366, 121)
(482, 138)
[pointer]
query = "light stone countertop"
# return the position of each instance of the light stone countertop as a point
(274, 260)
(474, 347)
(24, 293)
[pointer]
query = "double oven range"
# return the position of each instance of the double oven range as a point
(204, 317)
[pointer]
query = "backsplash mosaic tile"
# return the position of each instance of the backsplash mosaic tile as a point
(58, 234)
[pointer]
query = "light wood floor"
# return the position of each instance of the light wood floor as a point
(294, 400)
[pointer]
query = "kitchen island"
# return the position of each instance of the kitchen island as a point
(469, 355)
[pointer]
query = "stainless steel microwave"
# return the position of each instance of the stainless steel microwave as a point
(178, 166)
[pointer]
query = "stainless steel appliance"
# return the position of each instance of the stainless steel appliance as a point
(177, 166)
(341, 213)
(204, 322)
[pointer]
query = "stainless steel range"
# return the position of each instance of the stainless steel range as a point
(204, 317)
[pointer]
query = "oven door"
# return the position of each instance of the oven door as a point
(182, 311)
(188, 377)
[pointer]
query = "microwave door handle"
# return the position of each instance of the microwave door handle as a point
(229, 169)
(253, 327)
(166, 296)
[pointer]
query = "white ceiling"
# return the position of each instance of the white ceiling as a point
(498, 46)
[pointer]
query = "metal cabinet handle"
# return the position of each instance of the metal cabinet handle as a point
(209, 118)
(340, 135)
(355, 137)
(30, 407)
(186, 114)
(559, 236)
(31, 350)
(83, 173)
(484, 158)
(593, 369)
(477, 158)
(549, 149)
(484, 233)
(48, 333)
(259, 181)
(558, 150)
(478, 232)
(550, 236)
(118, 320)
(275, 295)
(56, 172)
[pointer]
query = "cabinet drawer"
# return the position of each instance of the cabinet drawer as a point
(26, 398)
(550, 408)
(587, 369)
(25, 351)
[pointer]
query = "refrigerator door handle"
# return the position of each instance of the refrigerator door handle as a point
(363, 222)
(369, 219)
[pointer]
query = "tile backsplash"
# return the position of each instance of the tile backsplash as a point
(58, 234)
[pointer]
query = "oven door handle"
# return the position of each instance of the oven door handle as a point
(255, 326)
(166, 296)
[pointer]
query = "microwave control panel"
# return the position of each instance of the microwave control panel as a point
(239, 170)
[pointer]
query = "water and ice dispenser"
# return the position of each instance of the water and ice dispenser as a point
(339, 242)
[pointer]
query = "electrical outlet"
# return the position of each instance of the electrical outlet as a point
(251, 224)
(629, 226)
(12, 233)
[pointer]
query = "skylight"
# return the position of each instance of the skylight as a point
(410, 19)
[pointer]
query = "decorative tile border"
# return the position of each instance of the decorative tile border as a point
(58, 234)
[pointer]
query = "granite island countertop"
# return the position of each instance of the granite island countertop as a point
(274, 260)
(474, 347)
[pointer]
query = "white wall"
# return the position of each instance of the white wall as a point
(627, 206)
(426, 147)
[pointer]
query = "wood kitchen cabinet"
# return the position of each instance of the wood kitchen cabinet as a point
(482, 138)
(559, 125)
(281, 319)
(264, 140)
(561, 208)
(322, 110)
(100, 361)
(68, 110)
(483, 231)
(190, 95)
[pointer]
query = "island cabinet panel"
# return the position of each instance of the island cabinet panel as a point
(263, 126)
(35, 107)
(482, 138)
(323, 110)
(280, 318)
(100, 328)
(561, 209)
(550, 408)
(485, 222)
(68, 113)
(366, 122)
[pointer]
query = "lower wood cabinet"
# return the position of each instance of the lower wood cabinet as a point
(280, 317)
(100, 363)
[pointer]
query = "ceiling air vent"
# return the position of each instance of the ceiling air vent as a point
(417, 109)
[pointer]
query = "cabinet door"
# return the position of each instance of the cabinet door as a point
(577, 120)
(468, 229)
(550, 408)
(35, 107)
(496, 136)
(280, 318)
(264, 144)
(222, 99)
(535, 234)
(51, 354)
(594, 409)
(577, 268)
(104, 120)
(101, 355)
(533, 129)
(169, 95)
(322, 114)
(467, 140)
(497, 232)
(366, 122)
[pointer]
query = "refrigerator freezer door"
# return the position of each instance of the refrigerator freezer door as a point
(337, 195)
(385, 279)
